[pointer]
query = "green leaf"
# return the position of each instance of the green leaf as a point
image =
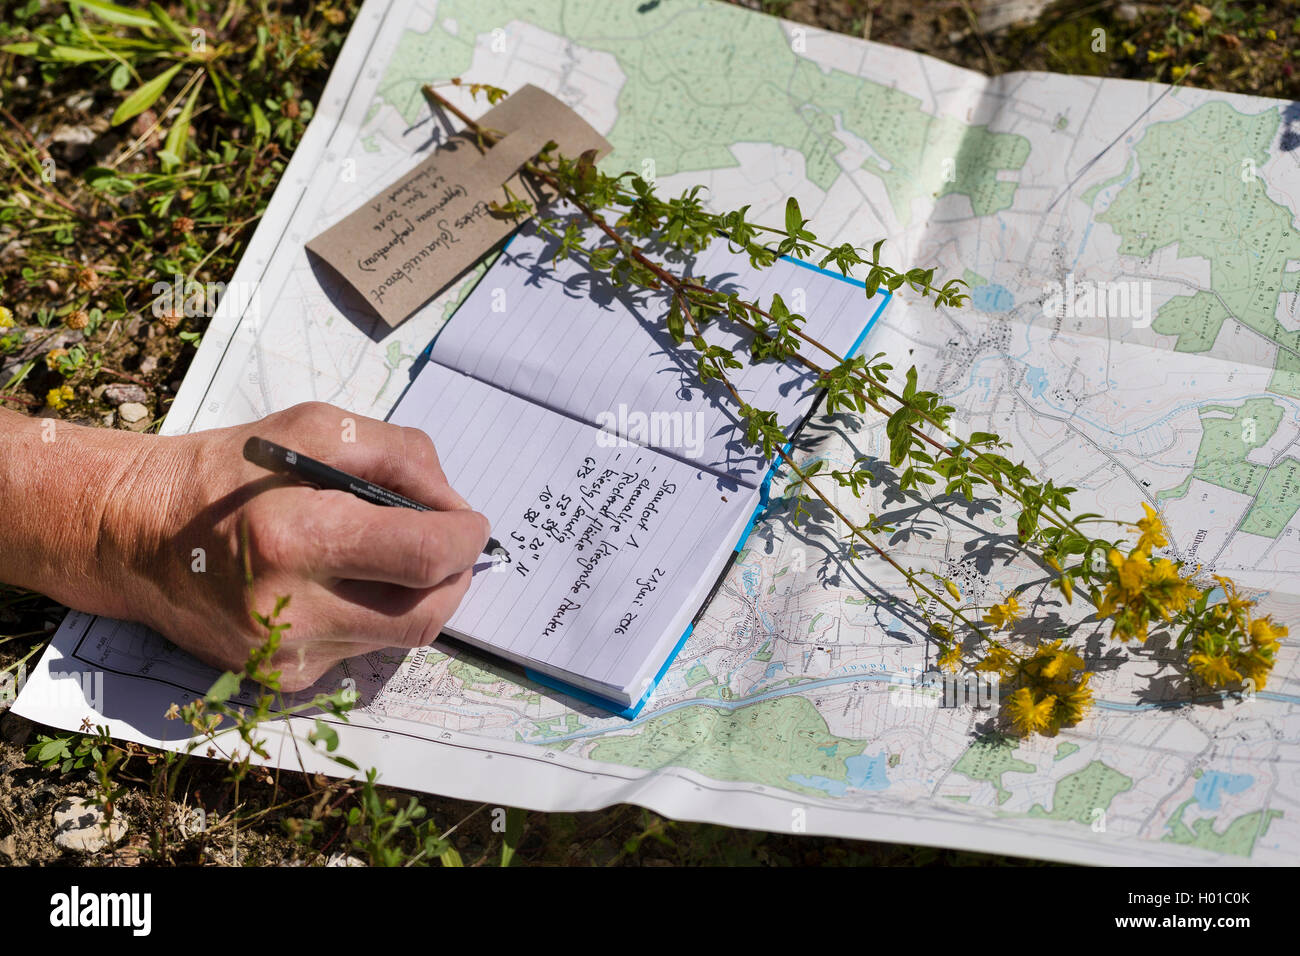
(120, 77)
(53, 748)
(145, 96)
(227, 685)
(115, 14)
(261, 128)
(75, 54)
(325, 734)
(173, 151)
(21, 49)
(514, 830)
(793, 218)
(450, 857)
(167, 23)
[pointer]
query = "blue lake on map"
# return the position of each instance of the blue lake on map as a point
(861, 773)
(1036, 378)
(991, 298)
(1214, 782)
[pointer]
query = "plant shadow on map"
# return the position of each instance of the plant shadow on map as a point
(648, 308)
(914, 517)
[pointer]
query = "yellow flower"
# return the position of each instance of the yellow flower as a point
(1152, 528)
(1072, 705)
(1265, 634)
(1054, 662)
(1168, 590)
(1179, 71)
(950, 657)
(1214, 669)
(52, 358)
(1132, 572)
(1030, 715)
(58, 397)
(1004, 616)
(1000, 659)
(1253, 667)
(1129, 48)
(1130, 623)
(6, 318)
(1234, 602)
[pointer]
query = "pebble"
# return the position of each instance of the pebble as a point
(148, 364)
(78, 826)
(191, 821)
(75, 141)
(339, 858)
(119, 393)
(132, 412)
(8, 849)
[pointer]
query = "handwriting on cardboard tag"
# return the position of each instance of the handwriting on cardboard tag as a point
(406, 244)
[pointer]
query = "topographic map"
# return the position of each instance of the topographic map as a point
(795, 704)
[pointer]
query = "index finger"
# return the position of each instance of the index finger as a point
(356, 540)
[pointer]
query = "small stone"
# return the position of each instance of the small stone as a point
(339, 858)
(191, 821)
(1127, 12)
(78, 825)
(109, 419)
(8, 849)
(74, 140)
(132, 412)
(148, 364)
(120, 393)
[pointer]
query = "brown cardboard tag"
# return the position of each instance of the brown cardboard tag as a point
(408, 243)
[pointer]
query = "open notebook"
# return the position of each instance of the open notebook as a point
(618, 485)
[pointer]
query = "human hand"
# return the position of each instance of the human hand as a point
(198, 523)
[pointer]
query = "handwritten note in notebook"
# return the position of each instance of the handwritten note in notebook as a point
(620, 487)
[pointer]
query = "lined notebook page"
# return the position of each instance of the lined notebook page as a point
(614, 543)
(562, 336)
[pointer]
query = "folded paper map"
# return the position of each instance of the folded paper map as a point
(1133, 255)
